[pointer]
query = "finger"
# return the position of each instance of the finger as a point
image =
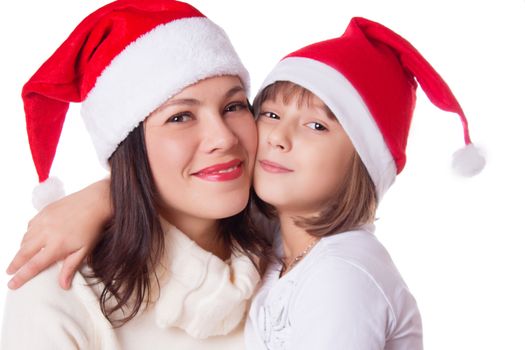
(30, 222)
(35, 232)
(39, 262)
(28, 250)
(70, 267)
(28, 236)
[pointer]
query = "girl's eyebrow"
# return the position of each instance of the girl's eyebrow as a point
(326, 110)
(318, 106)
(330, 114)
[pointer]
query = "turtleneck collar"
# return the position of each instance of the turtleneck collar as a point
(200, 293)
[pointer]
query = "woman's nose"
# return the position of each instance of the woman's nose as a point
(218, 135)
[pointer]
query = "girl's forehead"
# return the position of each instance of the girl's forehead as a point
(310, 102)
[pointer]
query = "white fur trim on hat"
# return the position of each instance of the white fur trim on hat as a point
(349, 108)
(47, 192)
(468, 161)
(151, 70)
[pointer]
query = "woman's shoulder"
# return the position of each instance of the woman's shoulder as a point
(44, 294)
(45, 312)
(42, 287)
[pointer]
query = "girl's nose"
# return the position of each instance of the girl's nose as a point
(279, 137)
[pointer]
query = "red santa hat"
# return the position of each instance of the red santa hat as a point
(122, 62)
(367, 77)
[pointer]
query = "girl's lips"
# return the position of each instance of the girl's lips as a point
(273, 167)
(221, 172)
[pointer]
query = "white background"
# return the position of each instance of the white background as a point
(458, 242)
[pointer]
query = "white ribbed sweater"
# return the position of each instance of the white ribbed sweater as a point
(202, 305)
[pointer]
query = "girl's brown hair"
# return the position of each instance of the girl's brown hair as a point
(353, 205)
(132, 244)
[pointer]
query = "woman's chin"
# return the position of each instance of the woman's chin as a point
(227, 207)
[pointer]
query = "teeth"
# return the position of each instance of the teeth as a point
(227, 170)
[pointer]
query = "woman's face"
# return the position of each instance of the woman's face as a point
(201, 147)
(303, 156)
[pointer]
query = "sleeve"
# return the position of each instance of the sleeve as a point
(339, 306)
(40, 315)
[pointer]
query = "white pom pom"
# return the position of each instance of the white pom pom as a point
(47, 192)
(468, 161)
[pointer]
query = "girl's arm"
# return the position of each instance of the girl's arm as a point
(67, 229)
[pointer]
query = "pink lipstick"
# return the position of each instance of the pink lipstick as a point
(221, 172)
(273, 167)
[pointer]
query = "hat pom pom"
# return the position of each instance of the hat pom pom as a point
(468, 161)
(47, 192)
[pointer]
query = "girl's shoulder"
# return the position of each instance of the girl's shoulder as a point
(353, 260)
(359, 247)
(350, 255)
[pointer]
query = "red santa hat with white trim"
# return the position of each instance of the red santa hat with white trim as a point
(367, 77)
(122, 62)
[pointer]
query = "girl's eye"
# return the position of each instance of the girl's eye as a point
(235, 107)
(270, 115)
(316, 126)
(180, 118)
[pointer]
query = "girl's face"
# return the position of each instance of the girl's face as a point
(303, 155)
(201, 148)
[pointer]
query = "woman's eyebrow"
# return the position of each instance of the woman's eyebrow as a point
(233, 91)
(183, 101)
(196, 102)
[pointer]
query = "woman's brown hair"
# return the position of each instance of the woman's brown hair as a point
(353, 205)
(132, 244)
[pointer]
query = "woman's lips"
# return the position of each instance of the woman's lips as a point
(221, 172)
(273, 167)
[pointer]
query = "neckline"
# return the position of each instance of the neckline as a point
(366, 228)
(300, 265)
(196, 279)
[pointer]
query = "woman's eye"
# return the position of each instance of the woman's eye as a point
(316, 126)
(235, 107)
(270, 115)
(180, 118)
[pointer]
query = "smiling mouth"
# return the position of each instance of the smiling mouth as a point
(272, 167)
(221, 172)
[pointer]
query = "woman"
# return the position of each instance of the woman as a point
(164, 99)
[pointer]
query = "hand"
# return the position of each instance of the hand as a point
(67, 229)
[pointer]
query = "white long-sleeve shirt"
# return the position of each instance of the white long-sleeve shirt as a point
(202, 305)
(345, 294)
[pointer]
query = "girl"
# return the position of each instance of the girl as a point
(333, 121)
(164, 99)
